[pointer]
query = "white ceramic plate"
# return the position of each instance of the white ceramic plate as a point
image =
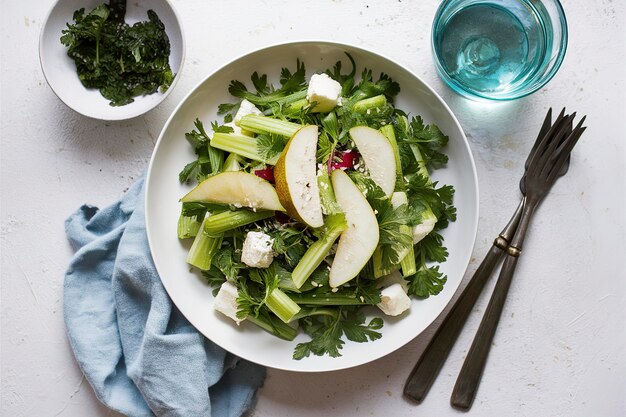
(190, 292)
(60, 70)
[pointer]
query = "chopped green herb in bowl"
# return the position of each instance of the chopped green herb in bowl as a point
(122, 61)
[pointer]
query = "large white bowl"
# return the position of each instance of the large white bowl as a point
(189, 291)
(60, 70)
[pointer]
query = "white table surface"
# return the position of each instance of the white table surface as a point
(560, 349)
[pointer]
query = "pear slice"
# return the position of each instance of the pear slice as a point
(296, 178)
(358, 242)
(378, 155)
(238, 188)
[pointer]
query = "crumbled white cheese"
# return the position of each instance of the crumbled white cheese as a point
(394, 278)
(246, 108)
(226, 301)
(393, 300)
(421, 230)
(324, 91)
(257, 250)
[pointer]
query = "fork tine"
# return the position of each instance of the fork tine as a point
(578, 126)
(546, 140)
(565, 148)
(545, 127)
(555, 146)
(538, 160)
(570, 142)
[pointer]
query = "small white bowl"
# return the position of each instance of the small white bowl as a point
(60, 70)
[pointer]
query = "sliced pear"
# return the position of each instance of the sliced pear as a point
(378, 155)
(358, 242)
(296, 178)
(238, 188)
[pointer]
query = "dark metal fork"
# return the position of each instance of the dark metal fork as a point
(551, 154)
(432, 358)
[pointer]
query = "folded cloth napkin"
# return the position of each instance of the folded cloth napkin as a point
(141, 356)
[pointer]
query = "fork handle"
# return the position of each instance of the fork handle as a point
(469, 378)
(430, 362)
(434, 355)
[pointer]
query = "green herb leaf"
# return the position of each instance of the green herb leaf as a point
(326, 332)
(121, 61)
(426, 282)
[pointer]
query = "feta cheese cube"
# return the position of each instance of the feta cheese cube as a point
(393, 300)
(226, 301)
(394, 278)
(325, 91)
(246, 108)
(257, 250)
(424, 228)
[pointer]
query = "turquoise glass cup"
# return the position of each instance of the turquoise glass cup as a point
(498, 49)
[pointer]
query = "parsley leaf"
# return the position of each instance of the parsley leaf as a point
(422, 194)
(326, 332)
(209, 159)
(429, 138)
(346, 80)
(228, 264)
(290, 244)
(290, 83)
(253, 297)
(426, 282)
(270, 146)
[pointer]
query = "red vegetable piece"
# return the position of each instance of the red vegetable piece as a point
(265, 173)
(347, 160)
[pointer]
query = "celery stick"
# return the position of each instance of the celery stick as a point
(292, 98)
(407, 264)
(369, 104)
(188, 226)
(241, 145)
(281, 305)
(216, 156)
(263, 124)
(232, 163)
(428, 217)
(316, 311)
(227, 220)
(274, 326)
(327, 195)
(296, 106)
(422, 170)
(313, 257)
(379, 271)
(327, 299)
(286, 283)
(203, 248)
(389, 133)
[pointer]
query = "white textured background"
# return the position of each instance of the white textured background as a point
(561, 346)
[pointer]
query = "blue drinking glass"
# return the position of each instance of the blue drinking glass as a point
(498, 49)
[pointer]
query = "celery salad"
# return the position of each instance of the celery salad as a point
(312, 201)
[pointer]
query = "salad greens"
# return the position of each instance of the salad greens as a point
(120, 60)
(294, 291)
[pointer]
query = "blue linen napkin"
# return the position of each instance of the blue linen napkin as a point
(139, 353)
